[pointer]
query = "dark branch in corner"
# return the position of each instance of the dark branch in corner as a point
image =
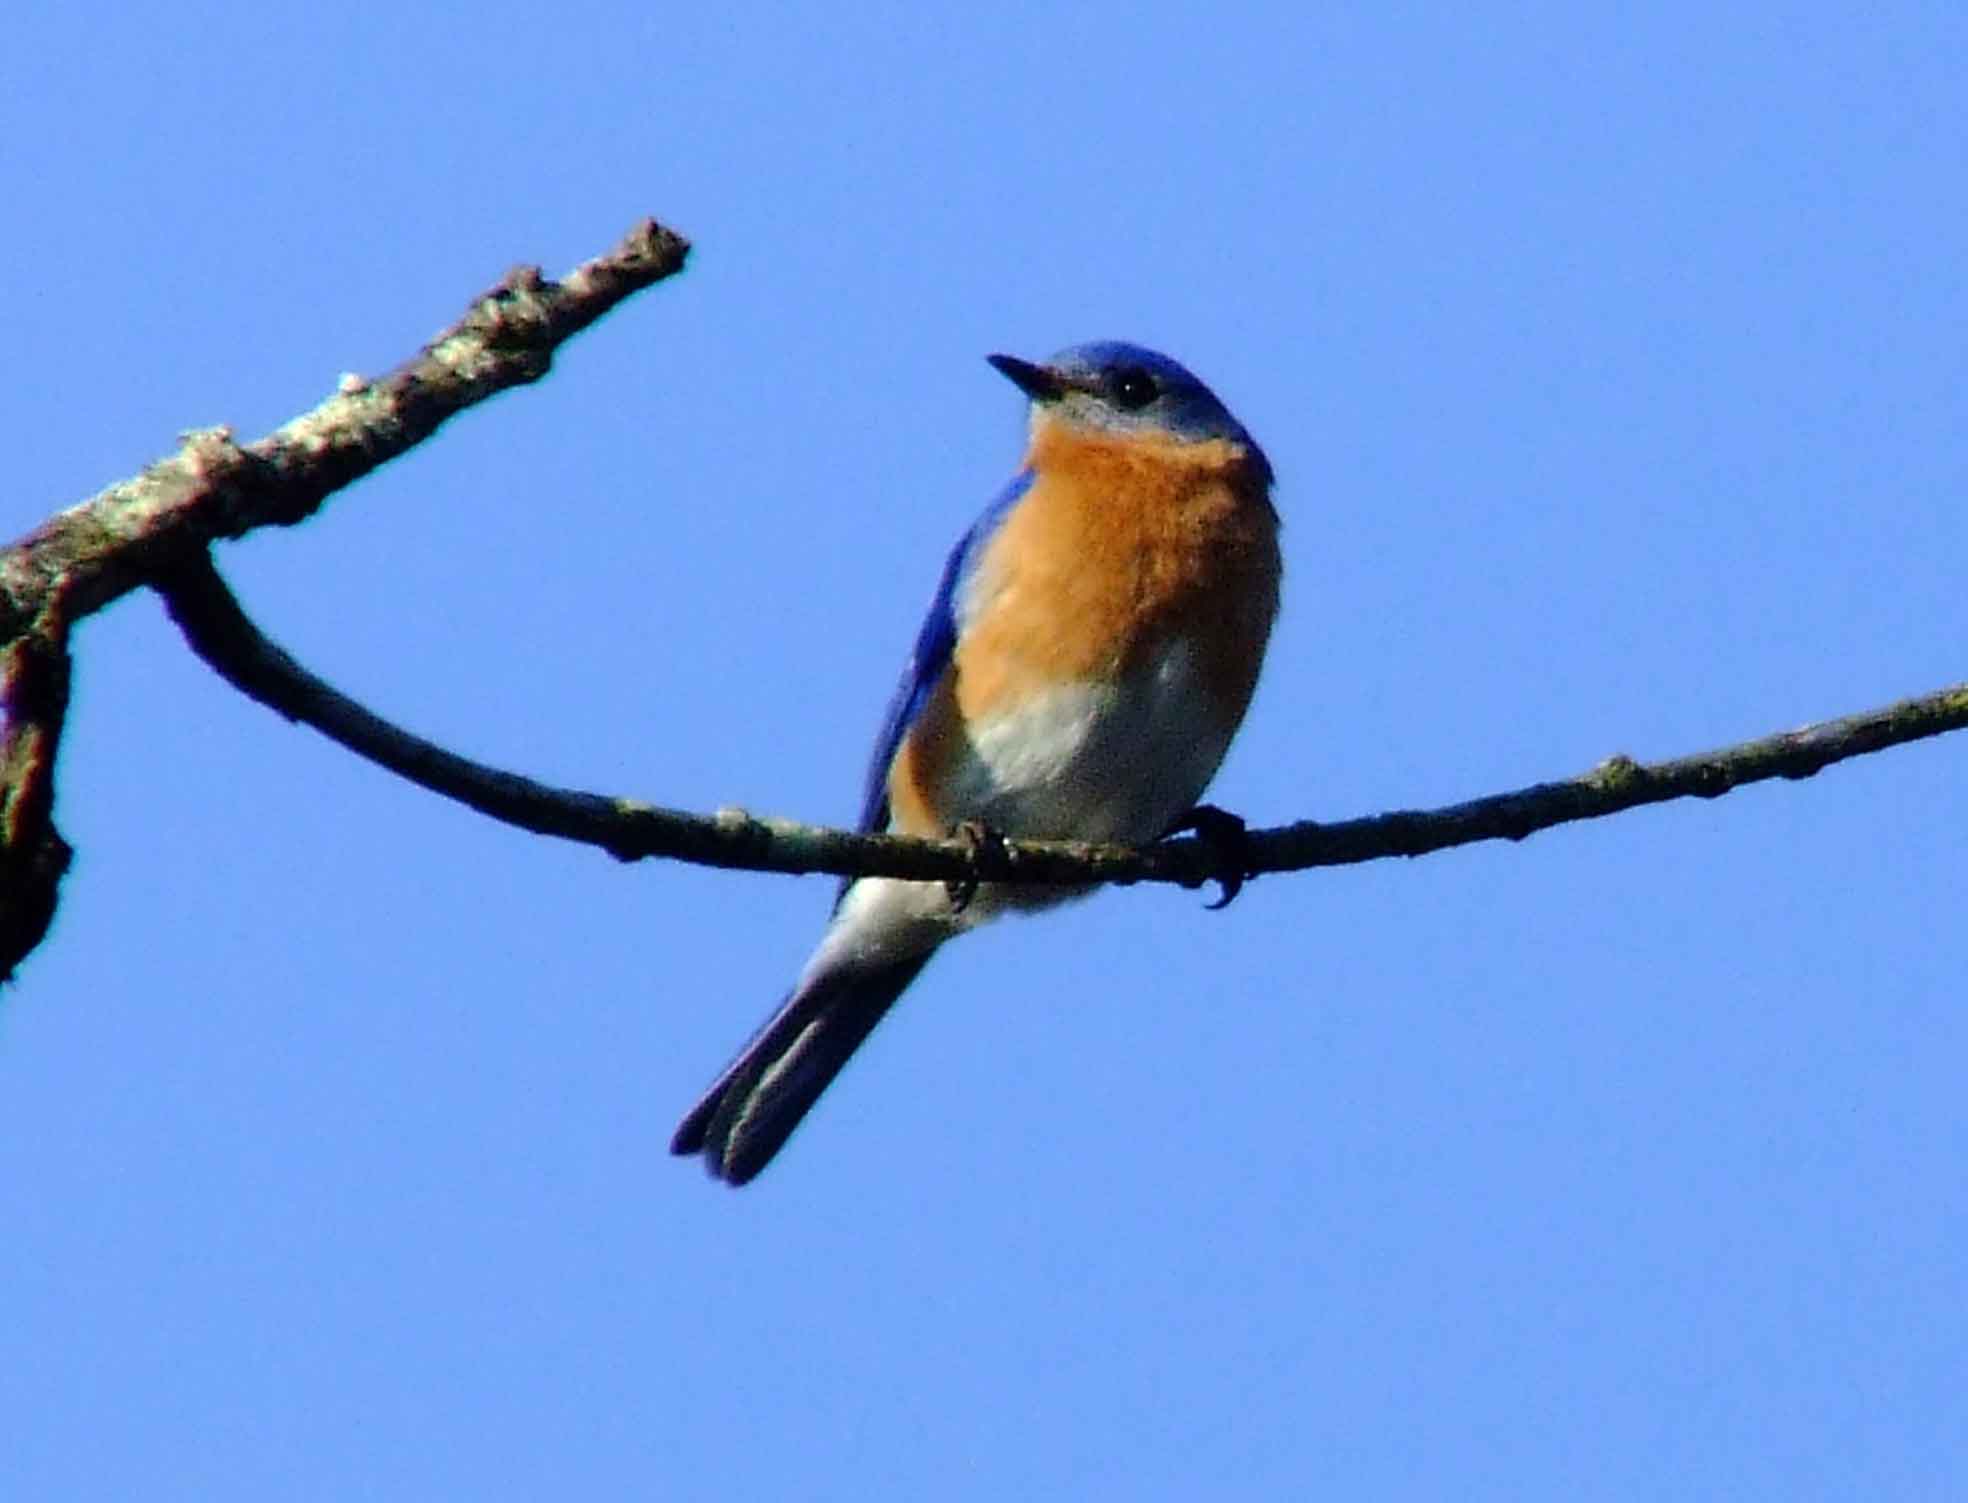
(219, 631)
(134, 532)
(33, 855)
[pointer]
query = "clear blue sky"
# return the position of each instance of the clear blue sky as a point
(1612, 360)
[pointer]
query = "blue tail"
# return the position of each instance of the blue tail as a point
(746, 1117)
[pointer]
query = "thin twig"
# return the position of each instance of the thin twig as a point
(220, 632)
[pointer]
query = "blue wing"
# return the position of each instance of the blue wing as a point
(934, 644)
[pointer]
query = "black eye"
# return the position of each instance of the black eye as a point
(1132, 388)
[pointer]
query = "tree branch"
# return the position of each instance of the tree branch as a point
(137, 530)
(212, 488)
(219, 631)
(157, 530)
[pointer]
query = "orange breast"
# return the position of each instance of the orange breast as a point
(1120, 547)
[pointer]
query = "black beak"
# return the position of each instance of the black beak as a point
(1037, 382)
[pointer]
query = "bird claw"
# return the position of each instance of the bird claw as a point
(981, 840)
(1228, 839)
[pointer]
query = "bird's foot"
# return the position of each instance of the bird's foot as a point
(1227, 839)
(982, 841)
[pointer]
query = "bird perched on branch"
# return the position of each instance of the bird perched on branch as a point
(1090, 650)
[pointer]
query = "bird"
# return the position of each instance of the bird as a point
(1090, 650)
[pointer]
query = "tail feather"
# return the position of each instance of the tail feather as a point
(746, 1117)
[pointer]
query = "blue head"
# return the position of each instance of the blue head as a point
(1123, 388)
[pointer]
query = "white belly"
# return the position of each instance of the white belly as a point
(1095, 761)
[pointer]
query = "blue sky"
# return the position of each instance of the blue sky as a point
(1611, 359)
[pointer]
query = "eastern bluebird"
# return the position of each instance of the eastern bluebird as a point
(1089, 653)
